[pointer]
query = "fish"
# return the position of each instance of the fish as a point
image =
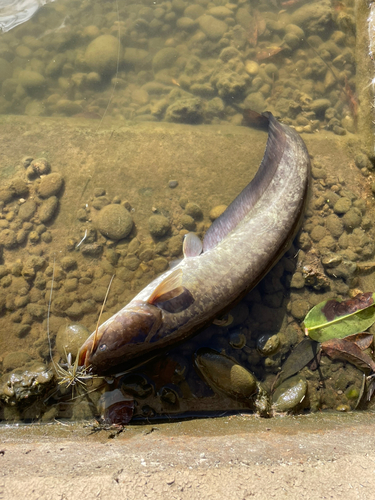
(237, 251)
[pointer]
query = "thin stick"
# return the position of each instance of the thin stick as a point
(95, 341)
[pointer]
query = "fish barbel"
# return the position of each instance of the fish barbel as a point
(237, 251)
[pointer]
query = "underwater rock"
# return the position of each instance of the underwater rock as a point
(133, 56)
(19, 187)
(186, 110)
(213, 28)
(217, 211)
(268, 345)
(27, 210)
(225, 375)
(115, 222)
(48, 209)
(334, 225)
(194, 211)
(69, 339)
(102, 54)
(41, 166)
(165, 58)
(289, 394)
(14, 360)
(342, 206)
(8, 239)
(31, 80)
(313, 18)
(187, 222)
(50, 185)
(158, 225)
(5, 70)
(20, 386)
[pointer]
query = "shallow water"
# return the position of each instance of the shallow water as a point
(139, 105)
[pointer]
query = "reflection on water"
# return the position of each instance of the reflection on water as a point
(183, 62)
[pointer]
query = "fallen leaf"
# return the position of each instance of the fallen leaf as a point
(302, 354)
(348, 351)
(334, 319)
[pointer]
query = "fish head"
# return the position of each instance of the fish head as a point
(122, 338)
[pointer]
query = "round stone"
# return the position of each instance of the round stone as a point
(158, 225)
(69, 339)
(50, 185)
(102, 54)
(115, 222)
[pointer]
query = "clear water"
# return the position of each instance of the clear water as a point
(140, 104)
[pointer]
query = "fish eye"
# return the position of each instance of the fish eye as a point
(102, 347)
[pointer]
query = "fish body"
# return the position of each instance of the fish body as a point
(239, 248)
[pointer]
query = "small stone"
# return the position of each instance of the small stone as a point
(213, 28)
(158, 225)
(289, 394)
(91, 249)
(352, 218)
(69, 339)
(300, 308)
(165, 58)
(188, 222)
(41, 166)
(47, 209)
(173, 184)
(342, 205)
(194, 211)
(160, 264)
(102, 54)
(268, 345)
(27, 210)
(8, 238)
(319, 106)
(217, 211)
(115, 222)
(298, 281)
(19, 187)
(50, 185)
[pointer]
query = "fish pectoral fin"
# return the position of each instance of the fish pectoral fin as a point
(170, 287)
(176, 303)
(192, 246)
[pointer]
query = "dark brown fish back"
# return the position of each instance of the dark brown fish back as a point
(246, 200)
(334, 309)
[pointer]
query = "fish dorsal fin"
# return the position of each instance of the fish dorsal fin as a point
(168, 288)
(246, 200)
(192, 246)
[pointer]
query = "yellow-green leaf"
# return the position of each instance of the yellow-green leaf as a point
(333, 319)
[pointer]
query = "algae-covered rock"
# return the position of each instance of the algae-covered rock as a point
(27, 210)
(314, 18)
(225, 375)
(134, 56)
(102, 54)
(5, 70)
(158, 225)
(115, 222)
(31, 80)
(213, 28)
(50, 185)
(188, 110)
(48, 209)
(290, 394)
(165, 58)
(20, 386)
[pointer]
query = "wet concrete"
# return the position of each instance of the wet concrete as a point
(315, 456)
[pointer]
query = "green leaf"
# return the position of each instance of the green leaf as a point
(333, 319)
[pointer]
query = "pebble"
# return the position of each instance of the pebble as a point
(27, 210)
(47, 209)
(41, 166)
(194, 211)
(102, 54)
(158, 225)
(173, 184)
(213, 28)
(342, 205)
(50, 185)
(115, 222)
(289, 394)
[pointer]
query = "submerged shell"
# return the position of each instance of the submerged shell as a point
(225, 375)
(289, 394)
